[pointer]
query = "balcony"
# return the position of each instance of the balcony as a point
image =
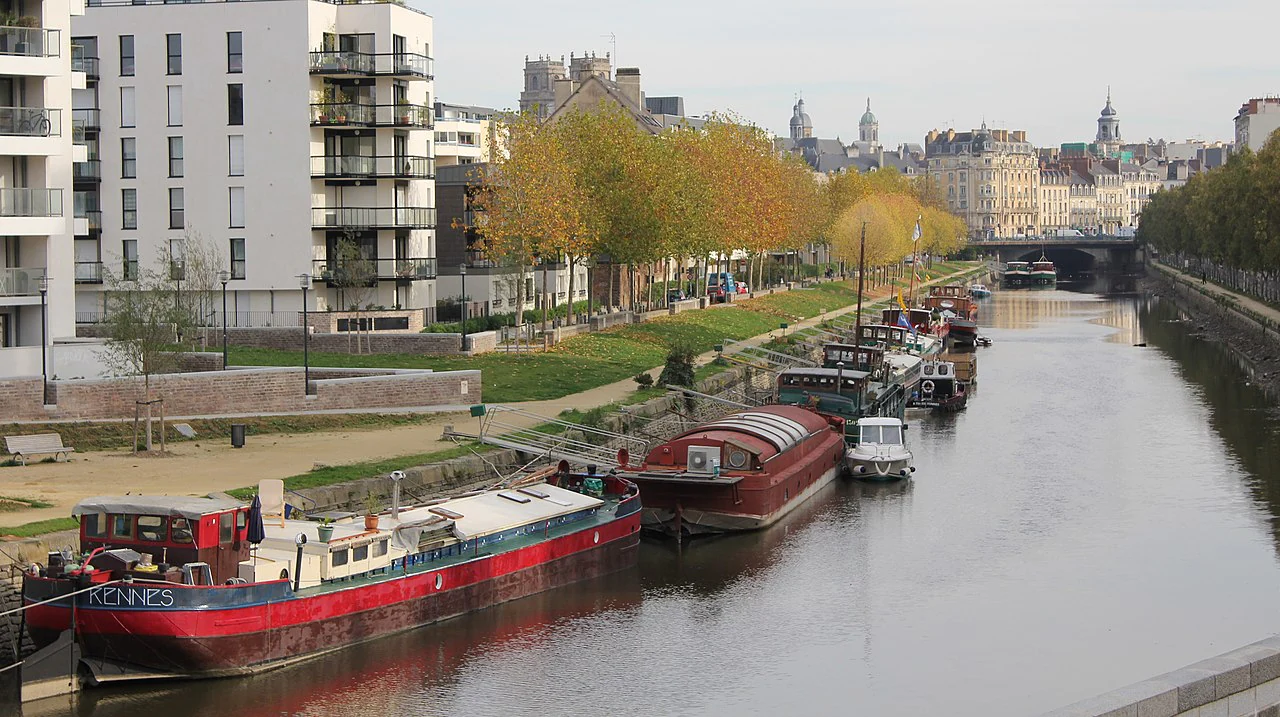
(88, 272)
(18, 281)
(402, 114)
(90, 171)
(373, 217)
(83, 122)
(30, 41)
(404, 65)
(87, 65)
(23, 202)
(336, 273)
(341, 63)
(341, 114)
(360, 167)
(352, 63)
(30, 121)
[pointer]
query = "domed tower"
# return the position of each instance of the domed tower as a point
(801, 125)
(868, 127)
(1108, 139)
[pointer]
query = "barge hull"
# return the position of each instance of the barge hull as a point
(700, 522)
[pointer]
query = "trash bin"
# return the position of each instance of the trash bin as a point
(237, 435)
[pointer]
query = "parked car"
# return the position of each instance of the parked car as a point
(720, 284)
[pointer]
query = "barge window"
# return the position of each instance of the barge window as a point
(225, 533)
(360, 553)
(152, 528)
(95, 525)
(242, 520)
(122, 526)
(379, 548)
(180, 530)
(339, 557)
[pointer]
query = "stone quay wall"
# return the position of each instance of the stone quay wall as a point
(290, 339)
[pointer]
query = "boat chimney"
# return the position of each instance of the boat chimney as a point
(591, 469)
(396, 477)
(839, 377)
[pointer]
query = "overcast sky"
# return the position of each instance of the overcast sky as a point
(1177, 68)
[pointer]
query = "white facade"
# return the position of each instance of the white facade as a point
(462, 134)
(271, 131)
(1256, 121)
(36, 145)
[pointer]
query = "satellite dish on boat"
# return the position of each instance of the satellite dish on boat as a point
(624, 457)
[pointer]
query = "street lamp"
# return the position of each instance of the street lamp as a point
(304, 283)
(44, 336)
(224, 276)
(462, 271)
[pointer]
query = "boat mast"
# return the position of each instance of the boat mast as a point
(862, 258)
(911, 292)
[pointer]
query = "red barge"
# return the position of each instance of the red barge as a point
(741, 472)
(168, 586)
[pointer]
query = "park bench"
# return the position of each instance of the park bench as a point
(23, 447)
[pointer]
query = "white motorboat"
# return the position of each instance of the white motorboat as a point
(979, 291)
(881, 453)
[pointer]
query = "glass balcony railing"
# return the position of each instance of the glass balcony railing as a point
(87, 65)
(340, 273)
(90, 171)
(341, 62)
(83, 121)
(373, 217)
(409, 65)
(21, 281)
(24, 202)
(341, 113)
(402, 166)
(31, 121)
(404, 115)
(30, 41)
(88, 272)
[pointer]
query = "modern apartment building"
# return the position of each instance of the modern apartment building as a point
(1256, 121)
(462, 134)
(990, 176)
(279, 133)
(37, 279)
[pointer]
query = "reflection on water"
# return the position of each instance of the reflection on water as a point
(1082, 525)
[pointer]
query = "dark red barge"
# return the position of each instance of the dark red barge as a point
(168, 586)
(741, 472)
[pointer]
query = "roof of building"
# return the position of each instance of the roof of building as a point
(800, 118)
(612, 91)
(867, 117)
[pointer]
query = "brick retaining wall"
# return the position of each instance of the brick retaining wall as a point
(290, 339)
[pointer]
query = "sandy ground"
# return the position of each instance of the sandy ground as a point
(202, 467)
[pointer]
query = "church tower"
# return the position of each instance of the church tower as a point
(801, 125)
(1108, 139)
(868, 127)
(539, 93)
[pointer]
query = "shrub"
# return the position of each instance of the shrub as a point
(678, 370)
(644, 379)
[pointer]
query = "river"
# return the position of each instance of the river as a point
(1101, 513)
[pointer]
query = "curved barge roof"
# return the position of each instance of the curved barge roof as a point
(780, 426)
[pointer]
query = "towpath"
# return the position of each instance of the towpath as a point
(1249, 304)
(205, 466)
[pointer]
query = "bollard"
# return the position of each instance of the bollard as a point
(237, 435)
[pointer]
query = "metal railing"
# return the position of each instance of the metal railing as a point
(339, 272)
(88, 272)
(404, 115)
(86, 119)
(371, 217)
(354, 62)
(25, 202)
(341, 62)
(30, 41)
(21, 281)
(373, 166)
(341, 113)
(87, 171)
(403, 64)
(87, 65)
(31, 121)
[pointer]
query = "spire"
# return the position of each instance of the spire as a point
(868, 104)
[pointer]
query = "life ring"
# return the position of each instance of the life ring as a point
(926, 387)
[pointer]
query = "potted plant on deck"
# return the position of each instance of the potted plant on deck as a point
(370, 511)
(402, 111)
(324, 531)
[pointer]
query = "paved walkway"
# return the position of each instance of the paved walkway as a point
(1253, 306)
(203, 466)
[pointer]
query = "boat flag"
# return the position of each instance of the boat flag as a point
(901, 303)
(905, 323)
(915, 235)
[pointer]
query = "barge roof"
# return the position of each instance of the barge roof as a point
(185, 506)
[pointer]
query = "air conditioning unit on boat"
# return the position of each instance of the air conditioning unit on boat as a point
(704, 460)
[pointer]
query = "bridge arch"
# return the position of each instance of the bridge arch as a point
(1068, 260)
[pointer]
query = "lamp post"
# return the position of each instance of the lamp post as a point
(44, 336)
(224, 276)
(304, 282)
(462, 271)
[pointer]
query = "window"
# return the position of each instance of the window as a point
(236, 197)
(175, 105)
(175, 156)
(235, 104)
(127, 116)
(128, 157)
(360, 553)
(129, 250)
(129, 210)
(340, 557)
(95, 525)
(177, 260)
(126, 55)
(152, 528)
(237, 258)
(179, 530)
(226, 528)
(380, 548)
(122, 526)
(235, 155)
(235, 52)
(177, 217)
(173, 47)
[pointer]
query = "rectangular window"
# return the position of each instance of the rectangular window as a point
(235, 155)
(122, 526)
(380, 548)
(226, 531)
(177, 217)
(359, 553)
(175, 157)
(235, 52)
(235, 104)
(128, 117)
(128, 157)
(126, 55)
(237, 258)
(236, 197)
(129, 251)
(177, 259)
(175, 105)
(95, 525)
(173, 48)
(340, 557)
(129, 209)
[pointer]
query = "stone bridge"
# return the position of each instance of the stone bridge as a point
(1072, 255)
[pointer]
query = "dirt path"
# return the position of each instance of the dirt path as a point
(201, 467)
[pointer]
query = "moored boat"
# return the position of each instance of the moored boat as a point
(741, 472)
(1016, 274)
(979, 291)
(169, 587)
(1042, 273)
(881, 452)
(940, 388)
